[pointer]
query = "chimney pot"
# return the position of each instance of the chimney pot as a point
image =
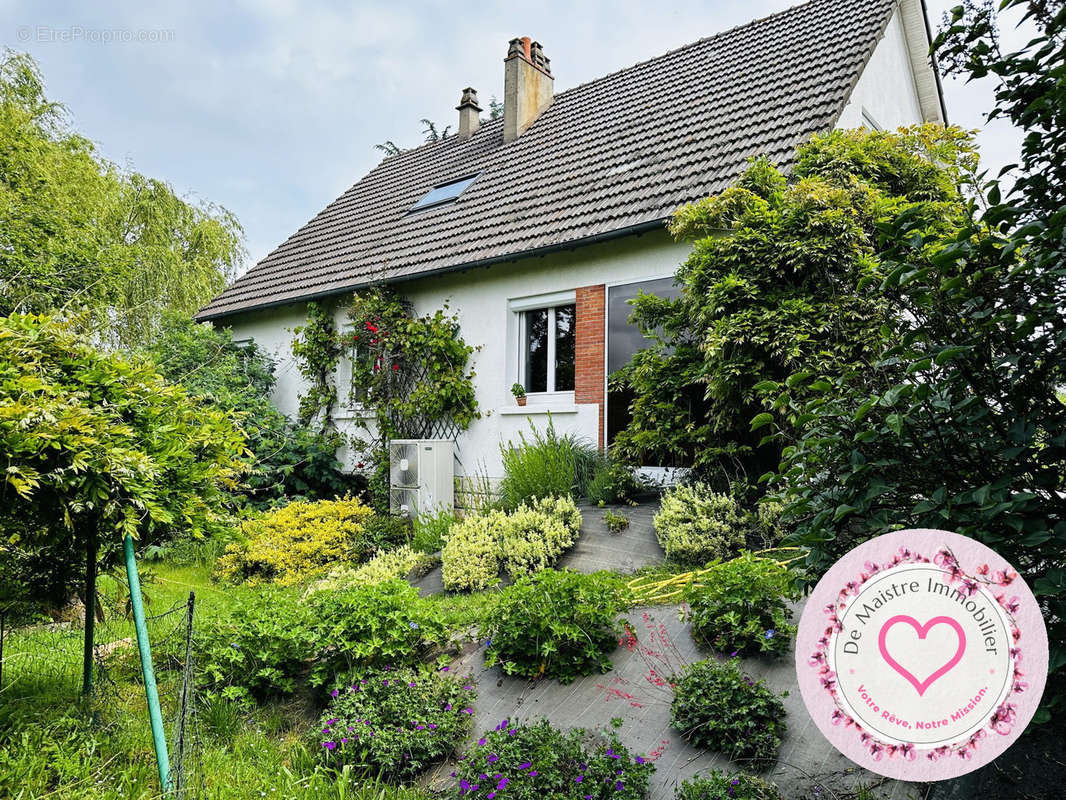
(469, 114)
(528, 86)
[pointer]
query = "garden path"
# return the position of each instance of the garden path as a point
(809, 768)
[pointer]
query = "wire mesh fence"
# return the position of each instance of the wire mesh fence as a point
(45, 658)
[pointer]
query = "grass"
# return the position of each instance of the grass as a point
(430, 531)
(51, 747)
(546, 465)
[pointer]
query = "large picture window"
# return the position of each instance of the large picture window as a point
(547, 348)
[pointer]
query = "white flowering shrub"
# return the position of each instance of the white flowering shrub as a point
(696, 525)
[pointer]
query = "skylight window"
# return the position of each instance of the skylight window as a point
(444, 193)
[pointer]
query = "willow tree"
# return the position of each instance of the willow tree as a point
(78, 232)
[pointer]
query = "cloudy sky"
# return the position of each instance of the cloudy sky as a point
(272, 107)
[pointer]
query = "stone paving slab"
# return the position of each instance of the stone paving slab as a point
(809, 768)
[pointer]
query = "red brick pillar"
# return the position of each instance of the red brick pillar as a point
(589, 357)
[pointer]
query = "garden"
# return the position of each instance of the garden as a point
(869, 341)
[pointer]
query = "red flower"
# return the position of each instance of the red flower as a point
(395, 367)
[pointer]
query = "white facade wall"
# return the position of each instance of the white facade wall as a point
(480, 298)
(885, 95)
(886, 91)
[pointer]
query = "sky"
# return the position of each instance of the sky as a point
(272, 108)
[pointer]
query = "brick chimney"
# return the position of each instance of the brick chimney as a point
(469, 114)
(527, 86)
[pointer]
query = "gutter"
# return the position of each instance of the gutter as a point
(573, 244)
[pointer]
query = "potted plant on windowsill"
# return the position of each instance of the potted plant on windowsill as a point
(519, 392)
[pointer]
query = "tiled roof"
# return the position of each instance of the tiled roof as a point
(614, 155)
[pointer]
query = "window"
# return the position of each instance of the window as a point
(546, 351)
(443, 193)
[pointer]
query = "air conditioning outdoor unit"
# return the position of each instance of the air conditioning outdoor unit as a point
(421, 476)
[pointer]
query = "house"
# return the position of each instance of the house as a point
(537, 226)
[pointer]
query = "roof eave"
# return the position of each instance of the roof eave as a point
(629, 230)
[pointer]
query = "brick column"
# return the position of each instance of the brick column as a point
(589, 349)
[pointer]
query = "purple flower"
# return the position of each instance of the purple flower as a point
(639, 760)
(334, 693)
(619, 786)
(533, 773)
(525, 765)
(770, 633)
(481, 742)
(329, 745)
(412, 684)
(579, 778)
(490, 795)
(445, 669)
(447, 706)
(493, 758)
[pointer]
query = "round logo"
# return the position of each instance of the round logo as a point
(921, 655)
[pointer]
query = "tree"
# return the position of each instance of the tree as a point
(957, 422)
(290, 461)
(78, 232)
(770, 288)
(97, 448)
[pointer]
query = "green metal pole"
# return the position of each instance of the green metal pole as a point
(159, 737)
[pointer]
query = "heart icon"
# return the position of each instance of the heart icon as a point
(922, 630)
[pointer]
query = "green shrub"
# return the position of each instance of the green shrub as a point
(261, 648)
(696, 525)
(297, 541)
(766, 528)
(532, 541)
(741, 606)
(718, 707)
(614, 482)
(536, 761)
(395, 722)
(431, 529)
(559, 624)
(368, 626)
(547, 465)
(470, 558)
(384, 532)
(271, 643)
(615, 522)
(720, 786)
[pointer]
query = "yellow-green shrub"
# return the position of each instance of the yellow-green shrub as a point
(297, 541)
(563, 509)
(471, 554)
(696, 525)
(386, 565)
(533, 540)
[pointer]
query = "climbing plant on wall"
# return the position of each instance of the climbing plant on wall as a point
(317, 351)
(411, 372)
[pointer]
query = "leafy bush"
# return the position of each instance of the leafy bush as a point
(431, 530)
(547, 465)
(614, 482)
(718, 707)
(370, 626)
(272, 642)
(536, 761)
(384, 532)
(766, 528)
(470, 558)
(291, 462)
(298, 540)
(720, 786)
(261, 648)
(559, 624)
(615, 522)
(696, 525)
(385, 566)
(396, 722)
(740, 606)
(532, 541)
(563, 509)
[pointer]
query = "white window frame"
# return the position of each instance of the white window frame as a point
(518, 307)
